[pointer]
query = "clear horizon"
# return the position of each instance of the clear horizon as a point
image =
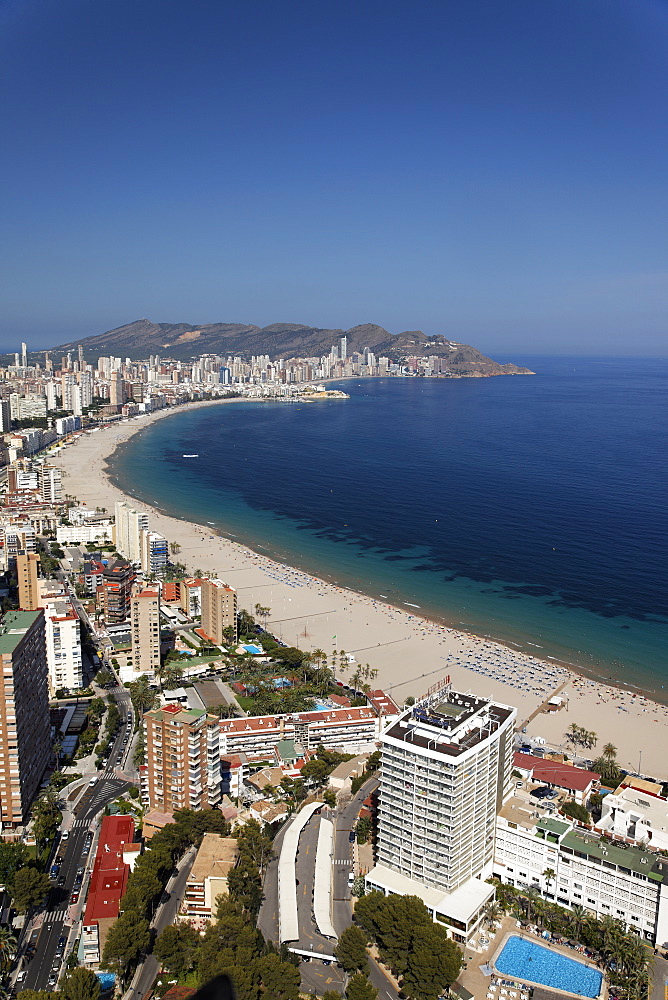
(492, 173)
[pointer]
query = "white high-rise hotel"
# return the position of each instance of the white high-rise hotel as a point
(446, 771)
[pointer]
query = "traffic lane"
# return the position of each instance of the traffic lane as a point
(379, 980)
(59, 914)
(316, 977)
(166, 915)
(343, 850)
(268, 915)
(305, 875)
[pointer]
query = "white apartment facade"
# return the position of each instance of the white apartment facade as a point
(610, 879)
(63, 644)
(127, 534)
(636, 812)
(50, 484)
(153, 553)
(145, 631)
(350, 730)
(445, 772)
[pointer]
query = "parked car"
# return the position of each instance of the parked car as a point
(542, 793)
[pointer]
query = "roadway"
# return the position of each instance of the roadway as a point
(59, 914)
(317, 976)
(146, 973)
(56, 918)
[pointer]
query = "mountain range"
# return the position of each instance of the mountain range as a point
(184, 341)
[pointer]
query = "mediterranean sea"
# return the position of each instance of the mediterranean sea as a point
(531, 509)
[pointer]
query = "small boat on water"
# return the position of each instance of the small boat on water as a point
(190, 456)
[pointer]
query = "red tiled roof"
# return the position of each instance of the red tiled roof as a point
(382, 703)
(551, 772)
(110, 873)
(340, 699)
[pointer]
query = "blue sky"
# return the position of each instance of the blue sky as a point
(493, 171)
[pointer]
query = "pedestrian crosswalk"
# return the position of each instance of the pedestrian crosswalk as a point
(342, 861)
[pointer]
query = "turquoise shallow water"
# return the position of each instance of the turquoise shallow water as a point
(530, 509)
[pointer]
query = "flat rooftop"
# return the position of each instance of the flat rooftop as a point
(215, 858)
(450, 723)
(14, 626)
(653, 866)
(175, 713)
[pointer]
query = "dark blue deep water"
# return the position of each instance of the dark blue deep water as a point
(531, 509)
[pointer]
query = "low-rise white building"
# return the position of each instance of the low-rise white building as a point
(70, 534)
(351, 730)
(636, 812)
(572, 865)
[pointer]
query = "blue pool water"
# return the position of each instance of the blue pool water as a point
(533, 962)
(107, 980)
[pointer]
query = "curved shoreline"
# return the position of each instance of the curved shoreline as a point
(390, 638)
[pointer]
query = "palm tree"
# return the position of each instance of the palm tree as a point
(550, 876)
(263, 613)
(493, 914)
(578, 918)
(319, 655)
(532, 897)
(8, 943)
(609, 752)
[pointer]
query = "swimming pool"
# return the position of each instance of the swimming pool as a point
(536, 964)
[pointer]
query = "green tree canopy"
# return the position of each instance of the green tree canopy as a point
(574, 809)
(177, 947)
(29, 887)
(128, 937)
(12, 857)
(434, 962)
(359, 988)
(350, 950)
(80, 984)
(245, 885)
(279, 980)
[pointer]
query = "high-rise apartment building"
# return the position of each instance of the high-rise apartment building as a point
(5, 416)
(182, 760)
(219, 609)
(63, 643)
(50, 483)
(127, 533)
(145, 630)
(27, 566)
(116, 389)
(25, 745)
(154, 552)
(446, 771)
(118, 581)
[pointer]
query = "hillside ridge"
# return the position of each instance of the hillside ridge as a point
(184, 341)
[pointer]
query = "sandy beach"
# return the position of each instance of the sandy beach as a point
(410, 653)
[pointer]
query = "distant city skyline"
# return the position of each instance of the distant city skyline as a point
(492, 173)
